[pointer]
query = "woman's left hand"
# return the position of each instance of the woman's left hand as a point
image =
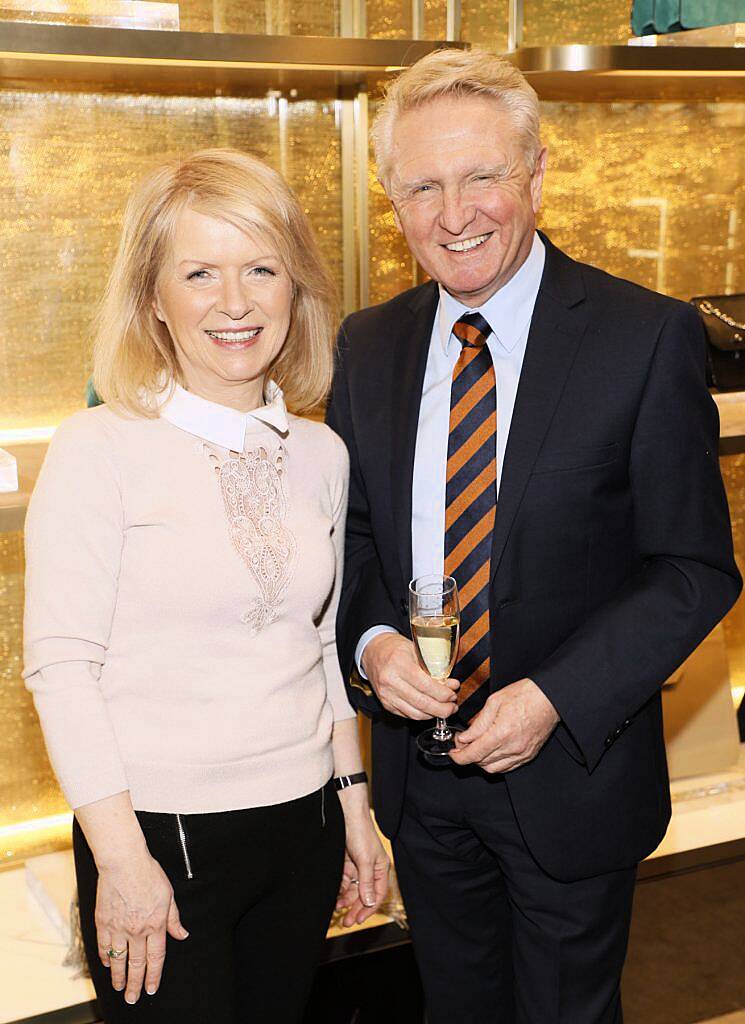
(364, 881)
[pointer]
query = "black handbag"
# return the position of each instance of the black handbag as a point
(724, 321)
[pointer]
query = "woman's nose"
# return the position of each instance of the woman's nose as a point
(235, 299)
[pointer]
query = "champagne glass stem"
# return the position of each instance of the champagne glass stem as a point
(442, 730)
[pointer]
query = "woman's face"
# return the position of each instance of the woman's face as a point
(226, 299)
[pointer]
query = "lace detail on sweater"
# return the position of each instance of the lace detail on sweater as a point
(256, 504)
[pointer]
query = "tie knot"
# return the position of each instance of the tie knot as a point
(472, 330)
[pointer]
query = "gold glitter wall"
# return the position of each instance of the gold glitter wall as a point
(733, 471)
(556, 22)
(27, 786)
(484, 22)
(67, 164)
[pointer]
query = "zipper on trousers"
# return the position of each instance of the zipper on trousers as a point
(184, 848)
(323, 807)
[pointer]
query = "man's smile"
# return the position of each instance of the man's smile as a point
(467, 244)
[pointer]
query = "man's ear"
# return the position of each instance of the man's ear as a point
(536, 180)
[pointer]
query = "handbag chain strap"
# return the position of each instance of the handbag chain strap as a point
(706, 307)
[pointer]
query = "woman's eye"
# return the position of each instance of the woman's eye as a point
(264, 271)
(197, 275)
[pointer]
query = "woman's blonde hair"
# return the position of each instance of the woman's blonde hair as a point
(454, 72)
(133, 353)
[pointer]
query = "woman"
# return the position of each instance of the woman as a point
(184, 552)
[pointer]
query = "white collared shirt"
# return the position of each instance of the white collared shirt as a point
(220, 424)
(508, 312)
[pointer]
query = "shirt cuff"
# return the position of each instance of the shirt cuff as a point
(365, 640)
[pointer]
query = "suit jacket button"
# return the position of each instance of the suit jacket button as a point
(608, 740)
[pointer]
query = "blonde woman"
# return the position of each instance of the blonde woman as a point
(184, 550)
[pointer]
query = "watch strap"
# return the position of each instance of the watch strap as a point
(344, 781)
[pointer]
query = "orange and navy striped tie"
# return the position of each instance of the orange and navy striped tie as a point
(471, 496)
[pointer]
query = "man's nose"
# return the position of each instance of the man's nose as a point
(456, 214)
(235, 298)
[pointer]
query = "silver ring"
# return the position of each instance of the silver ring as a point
(116, 954)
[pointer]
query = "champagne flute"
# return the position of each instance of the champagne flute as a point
(434, 613)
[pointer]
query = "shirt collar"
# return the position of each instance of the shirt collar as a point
(220, 424)
(508, 311)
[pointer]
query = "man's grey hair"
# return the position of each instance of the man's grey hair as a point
(451, 72)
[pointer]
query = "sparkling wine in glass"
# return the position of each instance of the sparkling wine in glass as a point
(434, 614)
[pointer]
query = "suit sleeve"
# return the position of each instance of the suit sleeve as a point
(617, 661)
(365, 601)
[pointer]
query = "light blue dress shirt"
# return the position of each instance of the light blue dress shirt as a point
(508, 312)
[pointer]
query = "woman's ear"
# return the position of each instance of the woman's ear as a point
(158, 311)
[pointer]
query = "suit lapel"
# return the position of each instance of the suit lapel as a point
(408, 367)
(558, 324)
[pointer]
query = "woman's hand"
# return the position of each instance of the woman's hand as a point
(134, 910)
(364, 881)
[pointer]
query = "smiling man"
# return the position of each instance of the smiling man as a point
(542, 432)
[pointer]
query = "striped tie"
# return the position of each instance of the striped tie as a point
(471, 496)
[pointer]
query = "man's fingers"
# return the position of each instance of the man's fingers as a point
(136, 965)
(477, 750)
(156, 955)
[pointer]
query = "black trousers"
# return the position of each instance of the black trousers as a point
(497, 940)
(257, 908)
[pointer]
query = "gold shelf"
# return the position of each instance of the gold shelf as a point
(31, 455)
(731, 406)
(199, 62)
(602, 73)
(192, 62)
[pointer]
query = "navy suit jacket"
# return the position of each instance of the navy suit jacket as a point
(611, 553)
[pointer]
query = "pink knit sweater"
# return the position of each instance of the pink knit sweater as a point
(180, 608)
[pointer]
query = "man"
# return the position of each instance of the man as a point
(542, 432)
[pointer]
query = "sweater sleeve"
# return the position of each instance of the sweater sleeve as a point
(74, 541)
(335, 688)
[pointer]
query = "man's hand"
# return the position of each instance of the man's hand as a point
(401, 686)
(509, 731)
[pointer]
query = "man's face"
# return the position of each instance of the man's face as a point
(462, 194)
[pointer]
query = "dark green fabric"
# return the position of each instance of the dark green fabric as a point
(658, 16)
(91, 398)
(702, 13)
(642, 17)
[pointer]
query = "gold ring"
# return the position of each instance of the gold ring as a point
(115, 954)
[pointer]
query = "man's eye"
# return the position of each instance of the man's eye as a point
(422, 188)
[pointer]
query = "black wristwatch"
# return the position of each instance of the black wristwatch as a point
(344, 781)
